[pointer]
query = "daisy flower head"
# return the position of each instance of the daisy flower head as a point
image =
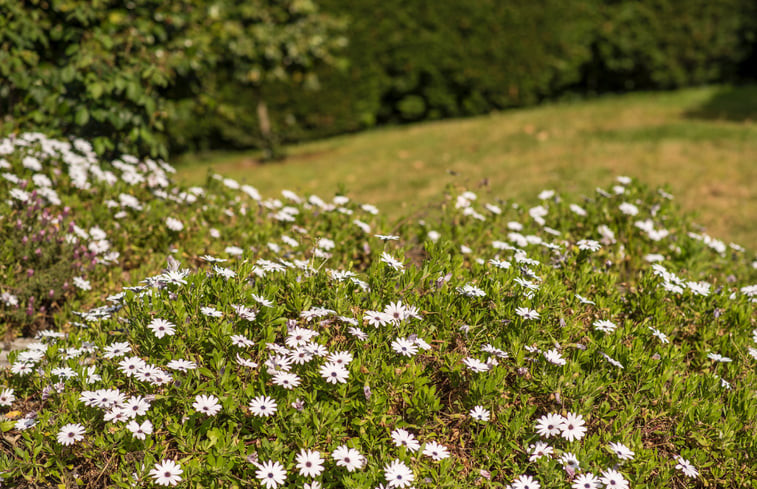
(211, 312)
(554, 357)
(376, 318)
(357, 333)
(569, 461)
(604, 326)
(588, 245)
(299, 336)
(334, 373)
(403, 438)
(116, 350)
(435, 451)
(309, 463)
(7, 397)
(71, 433)
(206, 404)
(174, 224)
(578, 209)
(586, 481)
(224, 272)
(526, 313)
(241, 341)
(398, 474)
(622, 451)
(404, 347)
(397, 311)
(287, 380)
(161, 327)
(392, 262)
(685, 466)
(539, 450)
(140, 431)
(659, 334)
(718, 358)
(263, 406)
(271, 474)
(476, 365)
(525, 482)
(136, 406)
(181, 365)
(612, 479)
(628, 209)
(549, 425)
(82, 283)
(573, 427)
(262, 300)
(340, 358)
(166, 473)
(480, 413)
(348, 458)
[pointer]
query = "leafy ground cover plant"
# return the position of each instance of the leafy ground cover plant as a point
(582, 344)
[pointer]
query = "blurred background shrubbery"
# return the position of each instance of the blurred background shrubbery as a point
(200, 74)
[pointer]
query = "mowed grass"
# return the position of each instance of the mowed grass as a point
(701, 142)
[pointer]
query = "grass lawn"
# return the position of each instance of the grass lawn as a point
(701, 142)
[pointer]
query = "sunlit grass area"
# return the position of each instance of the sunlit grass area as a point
(701, 142)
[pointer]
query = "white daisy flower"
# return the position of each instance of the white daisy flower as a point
(166, 473)
(398, 474)
(435, 451)
(309, 463)
(622, 451)
(403, 438)
(334, 373)
(479, 413)
(161, 327)
(348, 458)
(71, 433)
(207, 404)
(271, 474)
(140, 431)
(573, 427)
(263, 406)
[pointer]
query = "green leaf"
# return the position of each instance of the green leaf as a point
(96, 90)
(82, 116)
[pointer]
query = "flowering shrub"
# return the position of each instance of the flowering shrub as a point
(307, 344)
(42, 268)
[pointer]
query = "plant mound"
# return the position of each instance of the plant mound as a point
(585, 343)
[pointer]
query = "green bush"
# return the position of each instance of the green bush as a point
(96, 69)
(656, 44)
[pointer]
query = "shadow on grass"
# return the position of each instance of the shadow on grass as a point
(731, 103)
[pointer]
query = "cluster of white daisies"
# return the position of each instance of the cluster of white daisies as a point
(300, 347)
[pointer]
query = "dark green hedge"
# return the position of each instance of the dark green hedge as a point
(427, 59)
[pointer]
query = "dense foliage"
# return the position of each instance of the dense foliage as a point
(424, 60)
(593, 341)
(100, 68)
(192, 74)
